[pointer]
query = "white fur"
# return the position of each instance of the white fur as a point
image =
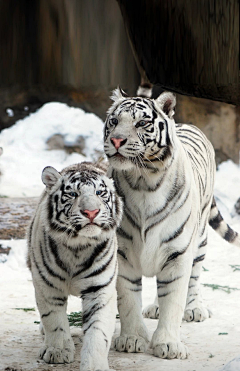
(62, 268)
(164, 226)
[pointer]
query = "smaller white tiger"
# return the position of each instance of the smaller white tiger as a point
(72, 250)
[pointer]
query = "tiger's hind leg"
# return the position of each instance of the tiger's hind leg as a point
(152, 310)
(195, 310)
(134, 335)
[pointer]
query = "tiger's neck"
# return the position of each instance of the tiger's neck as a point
(150, 177)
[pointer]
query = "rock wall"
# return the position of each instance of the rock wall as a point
(219, 121)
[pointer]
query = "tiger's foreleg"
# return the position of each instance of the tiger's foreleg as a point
(172, 284)
(58, 344)
(134, 335)
(99, 316)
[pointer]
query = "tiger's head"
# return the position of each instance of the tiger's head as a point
(139, 131)
(81, 200)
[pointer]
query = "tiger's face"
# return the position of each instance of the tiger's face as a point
(82, 200)
(139, 131)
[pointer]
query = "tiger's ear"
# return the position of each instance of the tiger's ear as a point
(118, 94)
(50, 176)
(167, 102)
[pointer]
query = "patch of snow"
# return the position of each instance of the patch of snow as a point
(24, 157)
(25, 152)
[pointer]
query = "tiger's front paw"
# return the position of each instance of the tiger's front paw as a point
(56, 355)
(130, 344)
(171, 350)
(151, 311)
(197, 314)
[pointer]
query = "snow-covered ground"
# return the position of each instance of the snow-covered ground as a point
(25, 152)
(212, 343)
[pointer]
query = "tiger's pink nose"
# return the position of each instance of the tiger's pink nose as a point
(118, 142)
(90, 214)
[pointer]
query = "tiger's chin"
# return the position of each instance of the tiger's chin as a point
(119, 162)
(90, 230)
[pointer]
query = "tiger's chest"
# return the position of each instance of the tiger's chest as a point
(151, 218)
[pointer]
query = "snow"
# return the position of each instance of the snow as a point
(25, 151)
(25, 155)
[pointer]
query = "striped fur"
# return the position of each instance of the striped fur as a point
(164, 172)
(71, 253)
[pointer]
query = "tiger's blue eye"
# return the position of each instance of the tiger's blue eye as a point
(114, 121)
(73, 194)
(98, 193)
(141, 123)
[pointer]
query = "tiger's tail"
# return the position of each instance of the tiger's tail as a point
(217, 222)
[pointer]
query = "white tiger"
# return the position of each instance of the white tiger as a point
(164, 173)
(72, 250)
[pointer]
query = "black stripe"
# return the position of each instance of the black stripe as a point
(87, 315)
(42, 275)
(230, 235)
(168, 281)
(203, 243)
(46, 314)
(101, 269)
(105, 336)
(89, 262)
(177, 232)
(64, 299)
(213, 203)
(49, 269)
(137, 186)
(124, 234)
(194, 278)
(163, 295)
(120, 252)
(169, 211)
(54, 250)
(198, 259)
(173, 256)
(93, 289)
(130, 219)
(215, 222)
(176, 254)
(84, 331)
(137, 282)
(30, 232)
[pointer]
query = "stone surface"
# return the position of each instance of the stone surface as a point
(220, 122)
(15, 216)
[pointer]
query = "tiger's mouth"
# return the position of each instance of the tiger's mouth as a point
(116, 155)
(91, 223)
(80, 227)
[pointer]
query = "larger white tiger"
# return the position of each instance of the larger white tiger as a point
(72, 249)
(164, 173)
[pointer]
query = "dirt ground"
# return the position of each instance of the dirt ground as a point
(20, 339)
(211, 343)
